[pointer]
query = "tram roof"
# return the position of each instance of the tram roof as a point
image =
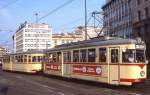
(27, 52)
(94, 42)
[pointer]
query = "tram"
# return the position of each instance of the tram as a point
(29, 62)
(113, 61)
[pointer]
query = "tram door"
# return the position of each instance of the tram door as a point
(114, 66)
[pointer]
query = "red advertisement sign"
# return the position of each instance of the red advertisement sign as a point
(90, 70)
(54, 67)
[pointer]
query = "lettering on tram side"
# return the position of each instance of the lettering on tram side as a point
(53, 67)
(90, 70)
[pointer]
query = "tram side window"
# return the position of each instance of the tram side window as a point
(65, 56)
(83, 55)
(21, 58)
(54, 57)
(25, 58)
(49, 57)
(16, 59)
(34, 59)
(39, 59)
(114, 56)
(29, 58)
(6, 59)
(76, 56)
(102, 55)
(91, 55)
(58, 56)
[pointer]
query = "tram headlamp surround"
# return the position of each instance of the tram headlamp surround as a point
(142, 73)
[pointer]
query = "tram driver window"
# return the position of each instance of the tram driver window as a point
(114, 56)
(102, 55)
(76, 56)
(91, 55)
(131, 56)
(140, 56)
(128, 56)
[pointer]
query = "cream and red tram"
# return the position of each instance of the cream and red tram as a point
(112, 61)
(29, 62)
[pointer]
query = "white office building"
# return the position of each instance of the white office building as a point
(32, 36)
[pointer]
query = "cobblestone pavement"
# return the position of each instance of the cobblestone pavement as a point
(23, 84)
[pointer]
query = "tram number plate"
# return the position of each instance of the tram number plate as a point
(90, 70)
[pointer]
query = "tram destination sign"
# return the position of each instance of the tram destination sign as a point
(139, 46)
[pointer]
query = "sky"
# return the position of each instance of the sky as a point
(15, 12)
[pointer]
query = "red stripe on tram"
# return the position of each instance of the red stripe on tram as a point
(141, 65)
(132, 80)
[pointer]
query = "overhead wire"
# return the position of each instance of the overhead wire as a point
(8, 4)
(56, 9)
(74, 21)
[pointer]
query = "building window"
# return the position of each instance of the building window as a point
(91, 55)
(83, 55)
(146, 12)
(138, 2)
(139, 15)
(102, 55)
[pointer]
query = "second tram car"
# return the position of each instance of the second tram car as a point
(113, 61)
(29, 62)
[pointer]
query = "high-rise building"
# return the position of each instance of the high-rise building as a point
(118, 18)
(32, 36)
(141, 21)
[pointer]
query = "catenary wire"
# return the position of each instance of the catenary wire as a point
(8, 4)
(56, 9)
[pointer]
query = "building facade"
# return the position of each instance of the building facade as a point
(32, 36)
(141, 21)
(92, 32)
(58, 39)
(3, 51)
(118, 18)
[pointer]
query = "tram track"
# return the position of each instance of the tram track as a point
(65, 86)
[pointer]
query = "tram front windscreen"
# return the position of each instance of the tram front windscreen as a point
(133, 56)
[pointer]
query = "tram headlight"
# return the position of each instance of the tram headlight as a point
(142, 73)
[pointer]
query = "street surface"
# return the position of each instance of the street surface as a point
(24, 84)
